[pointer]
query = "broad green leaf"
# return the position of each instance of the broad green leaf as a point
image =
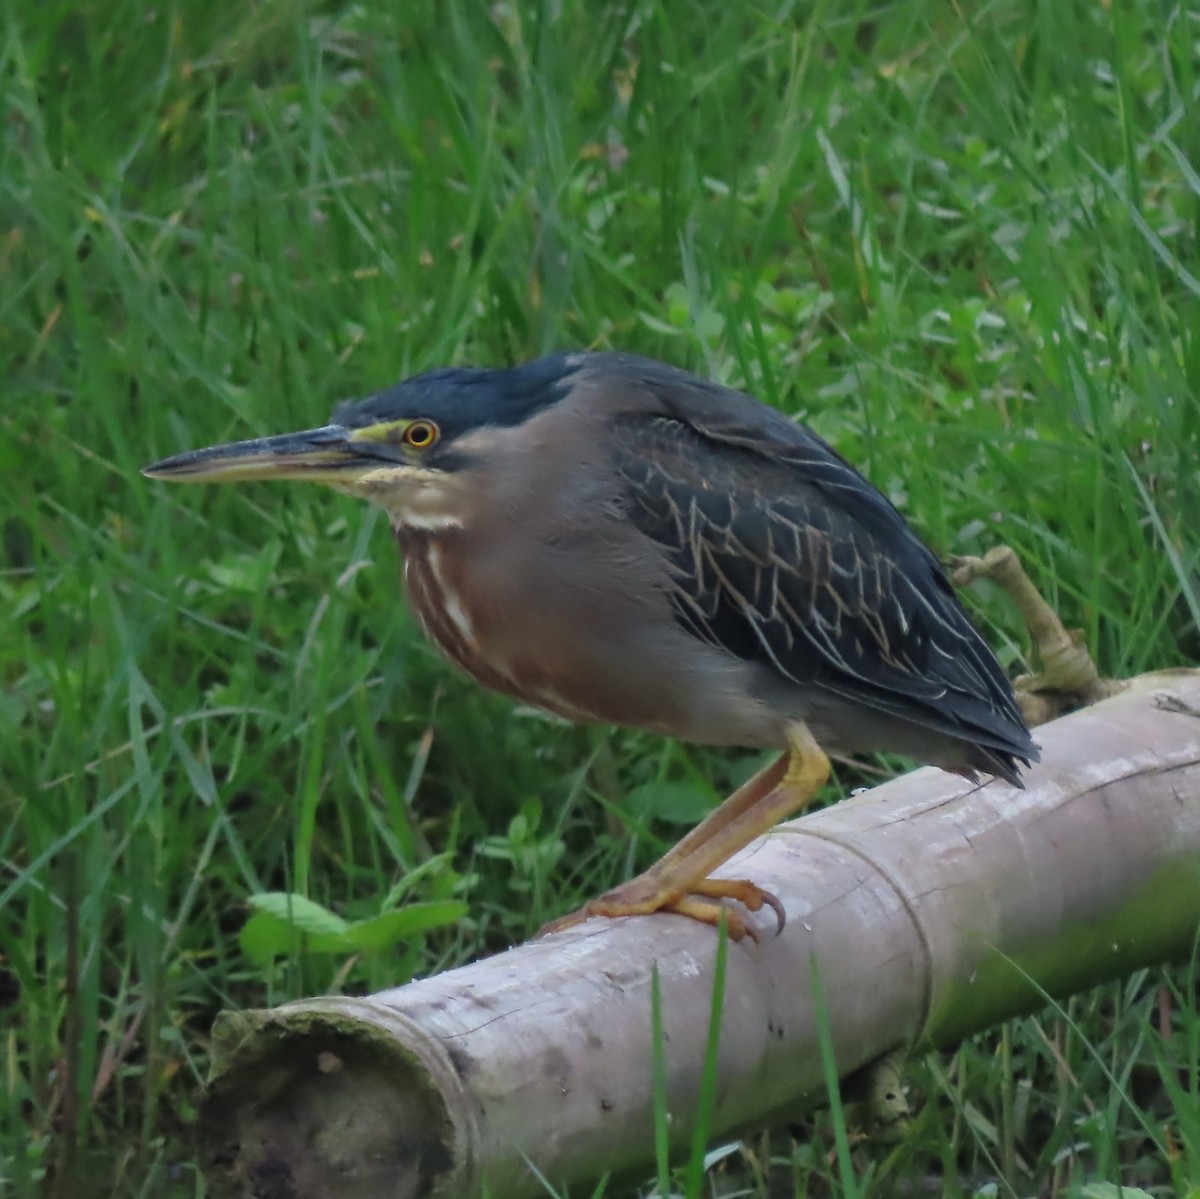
(1110, 1190)
(440, 863)
(677, 803)
(299, 912)
(265, 937)
(383, 931)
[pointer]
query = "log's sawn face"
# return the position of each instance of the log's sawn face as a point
(315, 1102)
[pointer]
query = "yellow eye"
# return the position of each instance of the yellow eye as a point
(421, 434)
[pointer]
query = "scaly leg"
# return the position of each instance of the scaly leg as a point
(678, 881)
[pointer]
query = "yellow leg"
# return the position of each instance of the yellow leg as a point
(678, 881)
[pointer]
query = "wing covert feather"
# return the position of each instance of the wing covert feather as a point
(781, 553)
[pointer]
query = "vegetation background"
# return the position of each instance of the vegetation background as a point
(960, 239)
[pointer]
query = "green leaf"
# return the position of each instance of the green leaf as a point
(677, 803)
(1109, 1190)
(439, 864)
(384, 930)
(299, 912)
(283, 922)
(265, 937)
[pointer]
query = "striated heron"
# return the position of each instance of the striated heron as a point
(615, 540)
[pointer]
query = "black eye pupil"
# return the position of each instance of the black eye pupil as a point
(420, 435)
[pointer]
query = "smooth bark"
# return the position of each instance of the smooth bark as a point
(922, 911)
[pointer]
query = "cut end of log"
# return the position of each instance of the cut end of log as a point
(336, 1107)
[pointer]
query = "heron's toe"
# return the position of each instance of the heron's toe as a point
(750, 895)
(702, 901)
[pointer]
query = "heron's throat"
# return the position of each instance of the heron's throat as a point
(415, 499)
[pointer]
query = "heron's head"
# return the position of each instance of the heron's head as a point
(420, 449)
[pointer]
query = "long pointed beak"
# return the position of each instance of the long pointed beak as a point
(325, 455)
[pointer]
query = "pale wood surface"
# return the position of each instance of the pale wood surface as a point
(933, 908)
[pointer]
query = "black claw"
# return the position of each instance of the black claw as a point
(780, 915)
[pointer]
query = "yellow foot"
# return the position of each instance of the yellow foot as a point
(645, 895)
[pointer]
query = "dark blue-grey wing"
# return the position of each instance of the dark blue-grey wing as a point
(781, 553)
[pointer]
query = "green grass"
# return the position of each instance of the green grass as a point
(960, 239)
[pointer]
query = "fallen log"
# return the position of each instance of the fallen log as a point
(933, 908)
